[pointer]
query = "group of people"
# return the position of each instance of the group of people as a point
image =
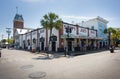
(91, 46)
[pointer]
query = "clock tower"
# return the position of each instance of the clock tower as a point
(18, 22)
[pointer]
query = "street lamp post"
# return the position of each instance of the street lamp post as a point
(8, 31)
(68, 31)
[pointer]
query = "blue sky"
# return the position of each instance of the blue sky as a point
(68, 11)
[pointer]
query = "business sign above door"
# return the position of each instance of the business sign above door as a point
(70, 39)
(53, 38)
(42, 39)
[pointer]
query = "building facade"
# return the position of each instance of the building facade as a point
(100, 25)
(80, 38)
(89, 36)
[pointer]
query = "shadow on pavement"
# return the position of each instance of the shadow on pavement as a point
(43, 58)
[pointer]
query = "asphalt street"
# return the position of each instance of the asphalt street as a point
(17, 64)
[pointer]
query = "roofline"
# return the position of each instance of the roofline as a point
(100, 19)
(79, 26)
(18, 20)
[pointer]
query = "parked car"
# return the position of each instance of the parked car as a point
(3, 46)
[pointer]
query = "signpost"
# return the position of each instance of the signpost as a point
(8, 31)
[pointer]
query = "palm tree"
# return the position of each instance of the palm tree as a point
(109, 31)
(116, 36)
(4, 41)
(50, 21)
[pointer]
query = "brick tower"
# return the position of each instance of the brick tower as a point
(18, 22)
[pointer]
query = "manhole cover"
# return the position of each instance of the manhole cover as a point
(37, 75)
(26, 66)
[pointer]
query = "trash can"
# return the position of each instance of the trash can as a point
(111, 49)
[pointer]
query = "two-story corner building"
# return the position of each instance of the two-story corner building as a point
(100, 25)
(80, 38)
(85, 37)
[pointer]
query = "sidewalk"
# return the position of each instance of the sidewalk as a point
(71, 54)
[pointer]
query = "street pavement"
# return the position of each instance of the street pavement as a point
(18, 64)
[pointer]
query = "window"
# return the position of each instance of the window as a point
(19, 25)
(92, 27)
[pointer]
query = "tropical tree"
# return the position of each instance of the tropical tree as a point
(50, 21)
(116, 36)
(4, 41)
(10, 41)
(109, 31)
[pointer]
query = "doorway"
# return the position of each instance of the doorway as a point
(69, 45)
(100, 44)
(54, 46)
(42, 45)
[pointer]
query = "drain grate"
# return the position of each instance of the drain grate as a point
(37, 75)
(26, 66)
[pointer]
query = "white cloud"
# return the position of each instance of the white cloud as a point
(83, 18)
(76, 17)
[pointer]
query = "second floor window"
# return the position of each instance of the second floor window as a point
(92, 27)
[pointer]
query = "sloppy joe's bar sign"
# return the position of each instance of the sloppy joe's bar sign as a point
(83, 31)
(68, 26)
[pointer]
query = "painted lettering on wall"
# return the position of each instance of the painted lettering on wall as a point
(33, 33)
(83, 30)
(41, 30)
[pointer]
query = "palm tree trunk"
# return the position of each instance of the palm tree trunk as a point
(49, 42)
(109, 38)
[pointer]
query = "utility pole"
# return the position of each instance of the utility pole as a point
(8, 31)
(2, 36)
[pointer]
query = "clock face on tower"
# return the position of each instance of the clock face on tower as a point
(19, 25)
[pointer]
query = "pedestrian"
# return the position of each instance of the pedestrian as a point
(65, 51)
(95, 46)
(0, 52)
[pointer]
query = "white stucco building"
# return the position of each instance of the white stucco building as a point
(100, 24)
(86, 37)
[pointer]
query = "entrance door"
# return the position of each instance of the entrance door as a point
(53, 46)
(42, 45)
(100, 44)
(69, 45)
(103, 44)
